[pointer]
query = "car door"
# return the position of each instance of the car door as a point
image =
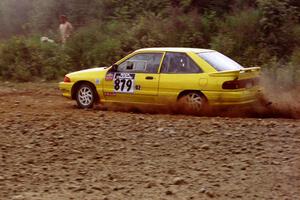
(179, 73)
(135, 80)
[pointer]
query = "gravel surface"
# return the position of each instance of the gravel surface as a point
(49, 150)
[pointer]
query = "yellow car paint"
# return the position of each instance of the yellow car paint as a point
(165, 88)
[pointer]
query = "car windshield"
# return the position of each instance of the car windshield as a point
(219, 61)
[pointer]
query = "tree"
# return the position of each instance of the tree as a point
(279, 18)
(14, 17)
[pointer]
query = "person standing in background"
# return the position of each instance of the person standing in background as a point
(65, 28)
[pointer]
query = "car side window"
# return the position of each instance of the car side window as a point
(142, 63)
(179, 63)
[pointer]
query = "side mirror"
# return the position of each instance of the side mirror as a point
(114, 68)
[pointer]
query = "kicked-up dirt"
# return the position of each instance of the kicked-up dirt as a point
(49, 150)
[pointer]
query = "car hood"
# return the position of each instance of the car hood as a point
(97, 69)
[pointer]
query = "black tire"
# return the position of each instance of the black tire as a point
(85, 96)
(193, 103)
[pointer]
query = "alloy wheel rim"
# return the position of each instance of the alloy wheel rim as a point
(194, 101)
(85, 96)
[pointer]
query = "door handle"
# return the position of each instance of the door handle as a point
(149, 78)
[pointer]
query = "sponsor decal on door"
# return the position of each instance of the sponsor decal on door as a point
(124, 83)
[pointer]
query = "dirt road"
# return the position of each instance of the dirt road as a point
(51, 150)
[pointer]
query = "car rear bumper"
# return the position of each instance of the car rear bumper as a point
(241, 97)
(66, 89)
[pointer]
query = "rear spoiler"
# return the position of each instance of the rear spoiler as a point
(239, 74)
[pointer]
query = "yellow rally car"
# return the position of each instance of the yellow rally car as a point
(165, 76)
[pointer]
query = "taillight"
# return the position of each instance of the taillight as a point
(67, 79)
(231, 85)
(239, 84)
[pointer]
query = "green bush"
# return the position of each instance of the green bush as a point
(96, 45)
(279, 27)
(27, 60)
(239, 38)
(262, 33)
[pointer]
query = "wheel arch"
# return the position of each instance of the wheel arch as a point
(76, 86)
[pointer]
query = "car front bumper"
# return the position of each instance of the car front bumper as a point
(66, 89)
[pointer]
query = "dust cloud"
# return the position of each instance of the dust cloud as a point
(277, 101)
(282, 101)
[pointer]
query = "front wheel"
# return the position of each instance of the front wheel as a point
(85, 96)
(193, 103)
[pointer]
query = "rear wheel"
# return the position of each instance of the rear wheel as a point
(85, 96)
(192, 103)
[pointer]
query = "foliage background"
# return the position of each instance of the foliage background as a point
(262, 33)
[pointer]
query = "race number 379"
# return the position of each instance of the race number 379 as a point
(124, 82)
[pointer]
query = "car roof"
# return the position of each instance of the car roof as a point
(175, 49)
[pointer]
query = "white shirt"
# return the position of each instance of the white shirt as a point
(65, 31)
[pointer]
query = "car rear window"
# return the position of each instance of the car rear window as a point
(219, 61)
